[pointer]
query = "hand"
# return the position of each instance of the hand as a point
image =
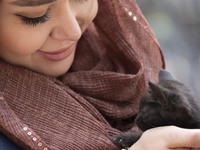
(169, 138)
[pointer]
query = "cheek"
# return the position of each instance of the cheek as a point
(20, 41)
(87, 14)
(94, 10)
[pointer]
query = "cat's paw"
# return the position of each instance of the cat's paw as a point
(120, 140)
(125, 140)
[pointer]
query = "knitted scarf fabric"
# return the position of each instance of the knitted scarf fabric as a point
(97, 98)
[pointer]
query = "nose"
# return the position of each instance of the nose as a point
(66, 26)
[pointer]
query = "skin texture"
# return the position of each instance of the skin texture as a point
(25, 44)
(168, 138)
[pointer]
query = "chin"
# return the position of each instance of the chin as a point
(57, 69)
(56, 73)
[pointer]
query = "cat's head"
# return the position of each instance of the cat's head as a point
(160, 106)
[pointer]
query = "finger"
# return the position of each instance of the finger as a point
(183, 138)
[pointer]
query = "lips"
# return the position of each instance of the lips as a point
(59, 54)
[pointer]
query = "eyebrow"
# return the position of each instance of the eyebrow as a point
(28, 3)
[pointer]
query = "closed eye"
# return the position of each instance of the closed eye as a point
(35, 21)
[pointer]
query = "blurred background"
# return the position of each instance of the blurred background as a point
(176, 24)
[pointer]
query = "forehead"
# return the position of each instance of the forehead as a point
(30, 2)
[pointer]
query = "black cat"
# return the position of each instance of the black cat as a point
(169, 102)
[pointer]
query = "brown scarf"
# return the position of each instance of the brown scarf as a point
(97, 97)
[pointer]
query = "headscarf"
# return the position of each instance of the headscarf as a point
(97, 98)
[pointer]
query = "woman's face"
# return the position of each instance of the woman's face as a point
(42, 34)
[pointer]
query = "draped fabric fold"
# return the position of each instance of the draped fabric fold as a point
(97, 98)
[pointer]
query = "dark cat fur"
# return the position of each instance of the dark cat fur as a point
(167, 103)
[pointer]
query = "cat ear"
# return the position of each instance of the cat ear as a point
(165, 75)
(158, 93)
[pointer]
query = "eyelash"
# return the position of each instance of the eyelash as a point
(42, 19)
(35, 21)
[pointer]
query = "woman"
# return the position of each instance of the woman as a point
(67, 82)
